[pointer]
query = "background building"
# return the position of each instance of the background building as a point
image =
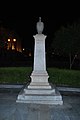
(14, 44)
(9, 40)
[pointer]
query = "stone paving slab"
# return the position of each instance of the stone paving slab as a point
(10, 110)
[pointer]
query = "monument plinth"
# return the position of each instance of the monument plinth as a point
(39, 76)
(39, 90)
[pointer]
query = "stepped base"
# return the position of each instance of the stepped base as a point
(38, 96)
(39, 85)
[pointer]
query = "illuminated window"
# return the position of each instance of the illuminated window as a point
(13, 47)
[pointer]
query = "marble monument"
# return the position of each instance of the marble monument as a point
(39, 90)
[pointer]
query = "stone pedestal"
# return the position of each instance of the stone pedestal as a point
(39, 90)
(39, 76)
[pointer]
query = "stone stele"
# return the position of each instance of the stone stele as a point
(40, 91)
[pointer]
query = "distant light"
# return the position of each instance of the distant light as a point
(14, 40)
(23, 49)
(29, 54)
(8, 40)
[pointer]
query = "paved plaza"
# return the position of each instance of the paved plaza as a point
(10, 110)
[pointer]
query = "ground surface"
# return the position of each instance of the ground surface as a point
(10, 110)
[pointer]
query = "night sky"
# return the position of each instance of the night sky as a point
(22, 17)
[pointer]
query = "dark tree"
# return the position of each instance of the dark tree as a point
(67, 41)
(3, 37)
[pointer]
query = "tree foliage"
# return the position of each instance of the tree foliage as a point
(3, 37)
(67, 41)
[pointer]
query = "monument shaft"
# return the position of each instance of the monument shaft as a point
(39, 53)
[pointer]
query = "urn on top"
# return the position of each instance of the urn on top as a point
(40, 26)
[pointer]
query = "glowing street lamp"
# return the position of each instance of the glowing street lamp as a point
(14, 40)
(8, 40)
